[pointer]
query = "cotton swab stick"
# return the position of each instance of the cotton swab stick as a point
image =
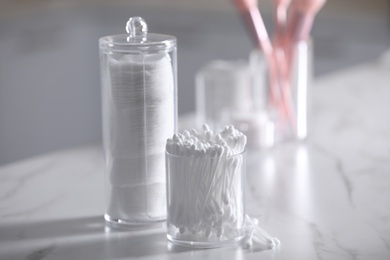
(280, 17)
(278, 98)
(251, 15)
(302, 13)
(256, 233)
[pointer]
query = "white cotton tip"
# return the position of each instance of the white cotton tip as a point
(205, 127)
(194, 132)
(187, 143)
(248, 243)
(187, 134)
(200, 145)
(180, 142)
(255, 221)
(208, 136)
(195, 139)
(231, 129)
(276, 241)
(249, 238)
(260, 234)
(169, 147)
(237, 133)
(225, 132)
(223, 143)
(218, 139)
(175, 138)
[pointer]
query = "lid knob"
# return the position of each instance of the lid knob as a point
(136, 27)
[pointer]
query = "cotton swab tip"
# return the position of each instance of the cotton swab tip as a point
(244, 5)
(308, 6)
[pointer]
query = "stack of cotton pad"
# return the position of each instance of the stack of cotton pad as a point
(141, 116)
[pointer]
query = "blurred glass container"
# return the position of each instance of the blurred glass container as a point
(292, 84)
(226, 94)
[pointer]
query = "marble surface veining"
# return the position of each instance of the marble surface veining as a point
(326, 198)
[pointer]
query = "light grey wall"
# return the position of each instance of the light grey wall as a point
(49, 69)
(49, 63)
(49, 88)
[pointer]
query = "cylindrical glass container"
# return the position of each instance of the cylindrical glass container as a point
(288, 90)
(205, 200)
(138, 73)
(226, 95)
(223, 88)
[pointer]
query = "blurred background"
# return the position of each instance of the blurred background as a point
(49, 59)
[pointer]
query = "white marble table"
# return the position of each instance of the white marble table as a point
(328, 198)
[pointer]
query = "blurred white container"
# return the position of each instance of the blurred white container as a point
(228, 92)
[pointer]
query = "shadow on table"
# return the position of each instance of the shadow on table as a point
(89, 237)
(19, 231)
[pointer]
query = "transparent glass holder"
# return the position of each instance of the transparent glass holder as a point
(226, 95)
(205, 200)
(291, 121)
(139, 108)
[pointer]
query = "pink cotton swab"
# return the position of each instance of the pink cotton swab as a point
(280, 20)
(252, 17)
(302, 13)
(299, 24)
